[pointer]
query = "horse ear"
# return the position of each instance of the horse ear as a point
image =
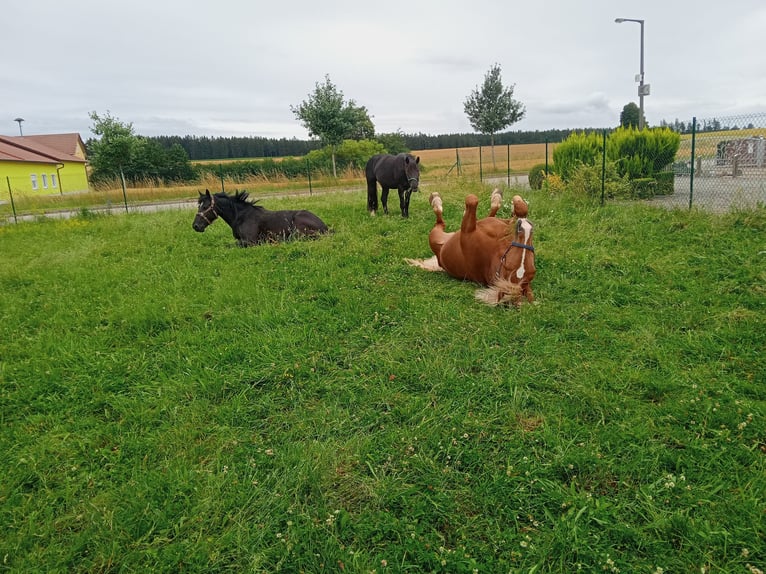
(207, 193)
(417, 159)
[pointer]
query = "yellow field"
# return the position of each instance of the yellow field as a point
(438, 162)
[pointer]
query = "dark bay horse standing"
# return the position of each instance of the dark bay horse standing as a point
(252, 224)
(400, 172)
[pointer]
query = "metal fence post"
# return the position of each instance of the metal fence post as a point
(603, 169)
(13, 205)
(308, 170)
(508, 147)
(124, 192)
(691, 172)
(481, 177)
(546, 156)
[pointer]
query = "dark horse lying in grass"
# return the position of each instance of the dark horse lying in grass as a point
(253, 224)
(391, 171)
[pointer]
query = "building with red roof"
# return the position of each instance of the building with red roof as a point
(43, 164)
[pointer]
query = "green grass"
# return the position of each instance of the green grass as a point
(170, 402)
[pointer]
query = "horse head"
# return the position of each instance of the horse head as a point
(206, 213)
(412, 171)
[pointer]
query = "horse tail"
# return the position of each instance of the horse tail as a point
(372, 184)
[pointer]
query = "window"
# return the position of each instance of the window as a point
(45, 181)
(54, 183)
(33, 176)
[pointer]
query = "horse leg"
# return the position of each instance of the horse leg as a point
(372, 196)
(495, 202)
(527, 291)
(468, 224)
(384, 198)
(438, 236)
(404, 202)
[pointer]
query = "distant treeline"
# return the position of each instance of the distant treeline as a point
(208, 148)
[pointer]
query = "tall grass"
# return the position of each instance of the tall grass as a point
(173, 403)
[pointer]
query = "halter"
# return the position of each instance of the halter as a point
(513, 244)
(211, 207)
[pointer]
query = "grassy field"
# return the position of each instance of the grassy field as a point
(172, 403)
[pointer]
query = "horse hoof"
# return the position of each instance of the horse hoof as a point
(372, 213)
(496, 199)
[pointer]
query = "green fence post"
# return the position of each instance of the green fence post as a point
(603, 170)
(220, 173)
(546, 156)
(481, 178)
(124, 192)
(508, 146)
(691, 171)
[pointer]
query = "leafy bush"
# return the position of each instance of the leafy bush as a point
(643, 187)
(537, 175)
(586, 180)
(553, 184)
(393, 143)
(350, 154)
(644, 153)
(665, 182)
(578, 149)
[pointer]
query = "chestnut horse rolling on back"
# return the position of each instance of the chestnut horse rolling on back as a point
(497, 253)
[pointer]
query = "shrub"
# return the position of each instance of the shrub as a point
(553, 184)
(350, 154)
(586, 180)
(665, 182)
(643, 187)
(537, 175)
(578, 149)
(645, 153)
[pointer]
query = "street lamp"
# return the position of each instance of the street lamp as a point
(19, 120)
(643, 90)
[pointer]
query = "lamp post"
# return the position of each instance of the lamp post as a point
(643, 90)
(19, 120)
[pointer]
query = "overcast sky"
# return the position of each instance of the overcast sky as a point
(234, 67)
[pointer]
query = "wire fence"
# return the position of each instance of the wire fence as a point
(723, 169)
(720, 165)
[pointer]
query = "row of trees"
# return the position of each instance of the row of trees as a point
(326, 114)
(205, 147)
(330, 120)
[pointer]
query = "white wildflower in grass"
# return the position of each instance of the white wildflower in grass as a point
(659, 570)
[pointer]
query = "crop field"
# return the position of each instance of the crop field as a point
(172, 403)
(441, 162)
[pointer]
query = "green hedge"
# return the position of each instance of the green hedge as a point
(578, 149)
(644, 158)
(537, 175)
(642, 153)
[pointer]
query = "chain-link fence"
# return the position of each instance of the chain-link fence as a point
(720, 165)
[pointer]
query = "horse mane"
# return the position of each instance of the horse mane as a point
(242, 197)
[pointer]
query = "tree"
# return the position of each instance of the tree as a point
(492, 108)
(629, 116)
(119, 152)
(110, 154)
(331, 119)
